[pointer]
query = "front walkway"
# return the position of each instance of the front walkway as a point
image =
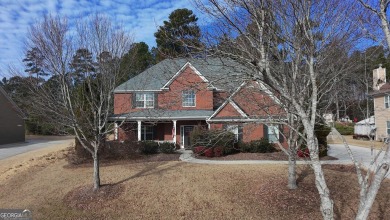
(338, 151)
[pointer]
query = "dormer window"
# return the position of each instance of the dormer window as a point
(188, 98)
(144, 100)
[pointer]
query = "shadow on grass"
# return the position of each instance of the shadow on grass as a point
(151, 169)
(303, 173)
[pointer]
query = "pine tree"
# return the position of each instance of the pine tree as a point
(179, 36)
(34, 63)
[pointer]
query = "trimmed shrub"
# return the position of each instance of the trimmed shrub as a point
(120, 150)
(149, 147)
(209, 152)
(303, 152)
(200, 136)
(345, 128)
(231, 150)
(257, 146)
(323, 150)
(244, 147)
(218, 151)
(199, 150)
(167, 147)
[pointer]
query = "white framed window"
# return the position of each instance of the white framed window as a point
(144, 100)
(273, 134)
(387, 101)
(147, 133)
(188, 98)
(233, 129)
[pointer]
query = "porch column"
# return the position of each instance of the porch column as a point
(174, 131)
(208, 126)
(115, 131)
(139, 130)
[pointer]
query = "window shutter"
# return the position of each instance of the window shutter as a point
(156, 100)
(265, 131)
(281, 137)
(155, 132)
(240, 133)
(133, 98)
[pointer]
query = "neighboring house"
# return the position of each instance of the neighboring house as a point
(11, 120)
(381, 95)
(166, 102)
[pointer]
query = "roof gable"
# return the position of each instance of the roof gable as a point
(229, 109)
(252, 109)
(182, 69)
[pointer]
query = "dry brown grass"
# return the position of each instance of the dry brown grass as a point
(354, 142)
(178, 190)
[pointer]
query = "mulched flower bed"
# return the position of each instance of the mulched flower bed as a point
(85, 198)
(258, 156)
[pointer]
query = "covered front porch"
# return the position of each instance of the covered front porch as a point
(161, 131)
(162, 126)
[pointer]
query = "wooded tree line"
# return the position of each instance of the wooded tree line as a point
(180, 36)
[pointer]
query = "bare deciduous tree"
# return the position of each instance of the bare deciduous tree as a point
(83, 107)
(291, 46)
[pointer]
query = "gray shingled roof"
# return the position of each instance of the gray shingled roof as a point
(161, 114)
(222, 73)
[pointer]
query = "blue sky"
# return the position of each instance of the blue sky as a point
(140, 17)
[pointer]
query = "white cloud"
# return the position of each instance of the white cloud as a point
(141, 18)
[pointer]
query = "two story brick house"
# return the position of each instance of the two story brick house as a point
(166, 102)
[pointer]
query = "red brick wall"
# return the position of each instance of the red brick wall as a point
(122, 103)
(252, 132)
(172, 99)
(228, 111)
(187, 80)
(255, 102)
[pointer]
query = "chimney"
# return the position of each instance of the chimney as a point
(378, 77)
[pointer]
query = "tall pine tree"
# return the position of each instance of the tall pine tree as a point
(179, 36)
(34, 63)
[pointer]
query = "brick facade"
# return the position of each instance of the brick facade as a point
(248, 100)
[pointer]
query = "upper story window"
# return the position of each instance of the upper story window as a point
(144, 100)
(188, 98)
(387, 101)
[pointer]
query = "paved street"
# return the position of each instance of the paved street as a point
(9, 150)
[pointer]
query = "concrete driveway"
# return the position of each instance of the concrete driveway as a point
(361, 154)
(32, 143)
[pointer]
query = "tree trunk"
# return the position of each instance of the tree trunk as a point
(366, 203)
(337, 109)
(96, 172)
(292, 172)
(326, 201)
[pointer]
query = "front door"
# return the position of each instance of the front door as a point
(185, 132)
